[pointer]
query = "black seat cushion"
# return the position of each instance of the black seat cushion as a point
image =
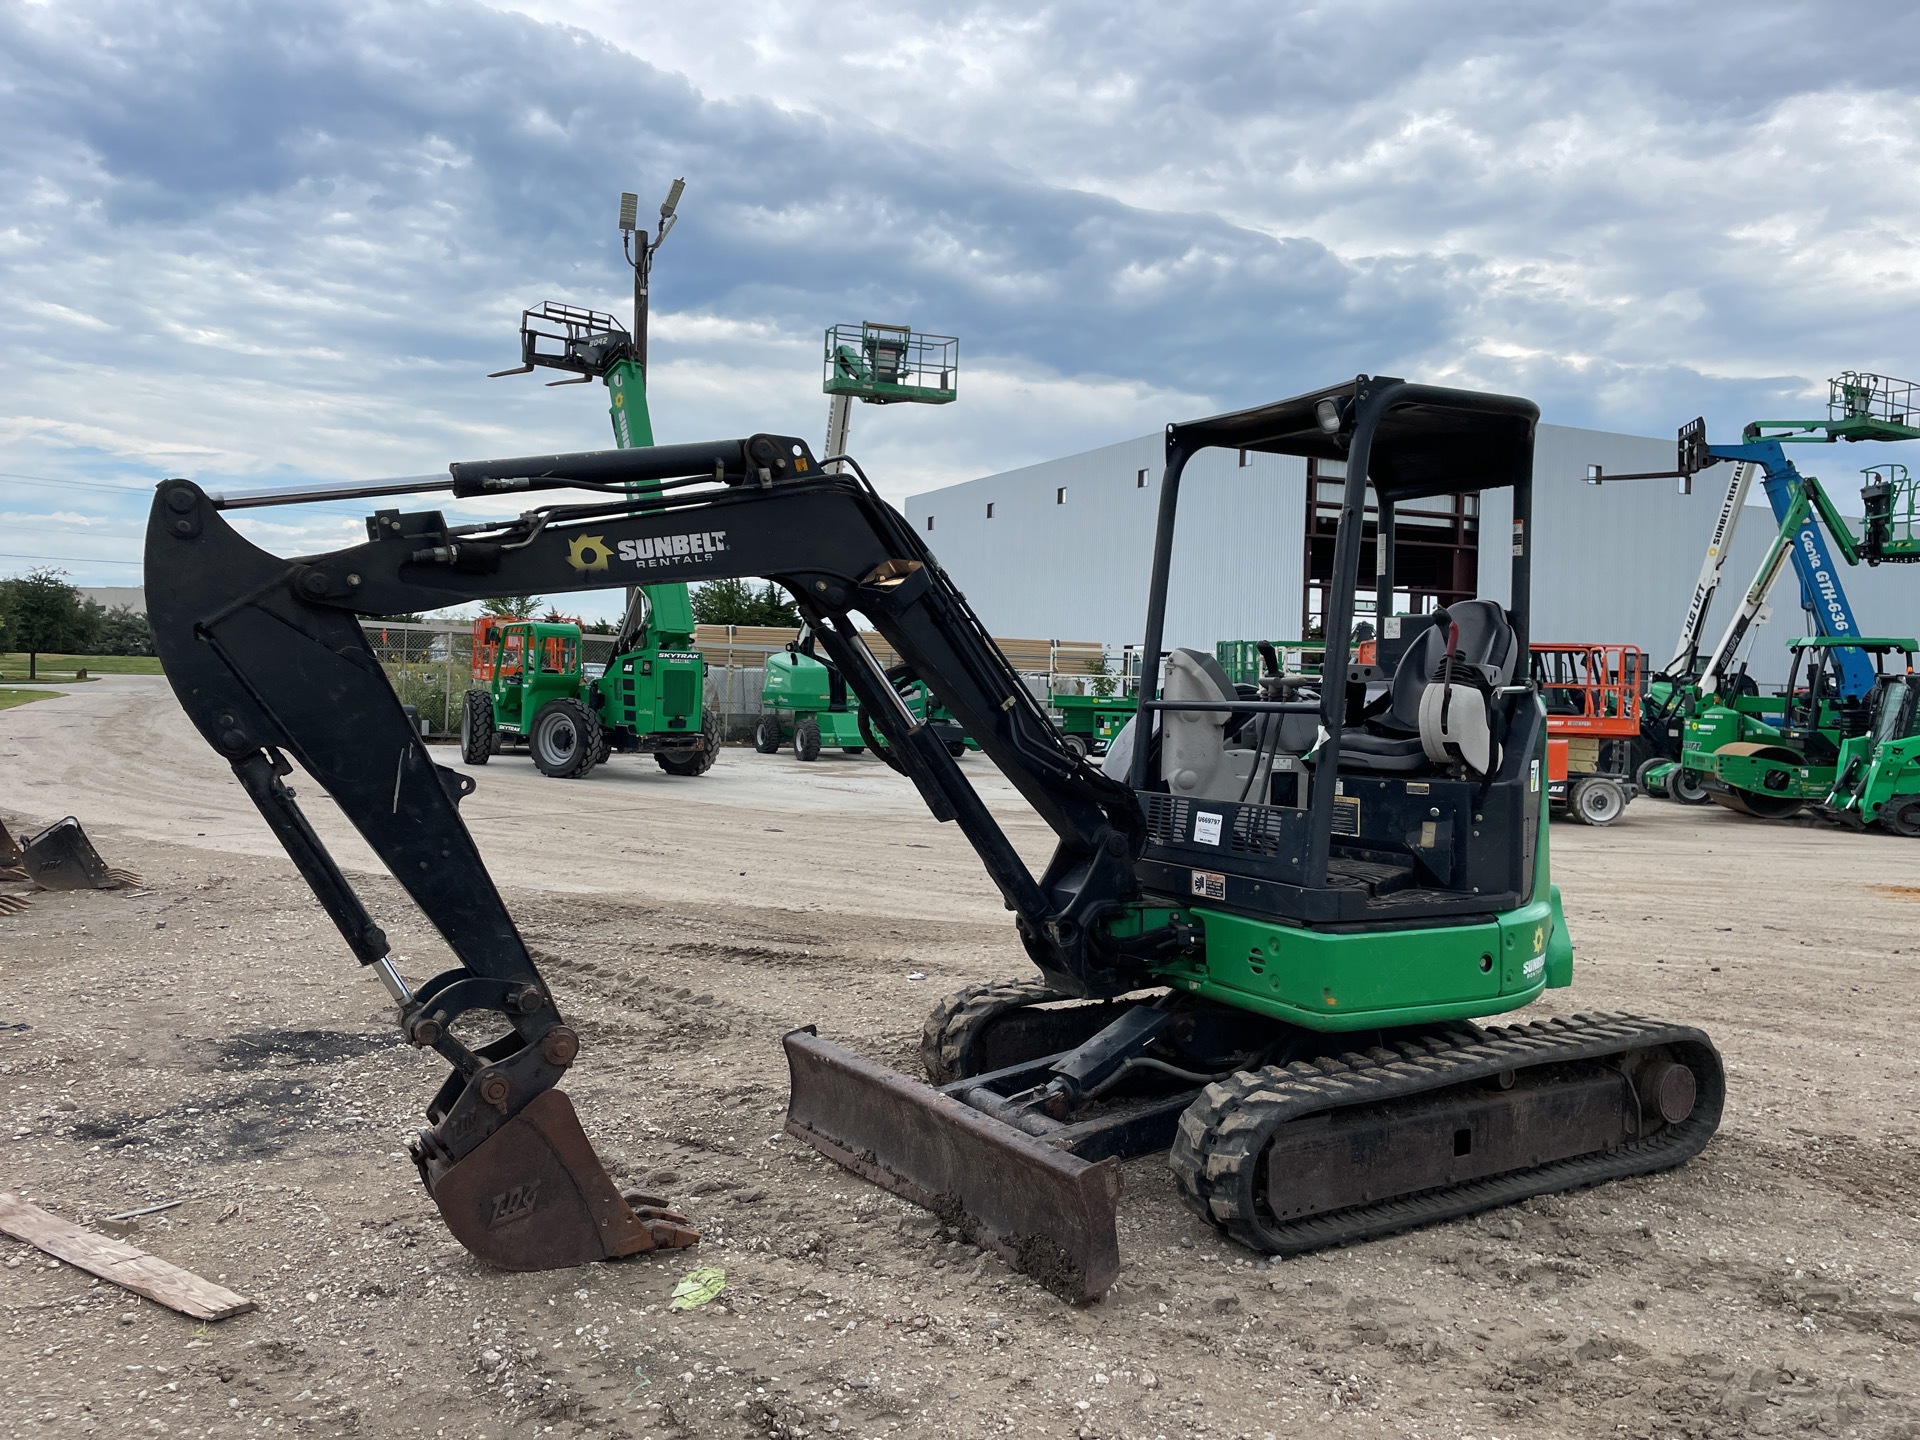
(1391, 741)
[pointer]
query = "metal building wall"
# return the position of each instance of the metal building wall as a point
(1619, 562)
(1611, 562)
(1076, 568)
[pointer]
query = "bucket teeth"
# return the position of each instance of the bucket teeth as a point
(61, 857)
(534, 1196)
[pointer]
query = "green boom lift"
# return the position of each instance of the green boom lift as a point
(650, 698)
(805, 698)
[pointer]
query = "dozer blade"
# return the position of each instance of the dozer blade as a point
(1044, 1211)
(534, 1196)
(61, 857)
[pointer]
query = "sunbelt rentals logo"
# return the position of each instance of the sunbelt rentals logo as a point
(661, 550)
(588, 553)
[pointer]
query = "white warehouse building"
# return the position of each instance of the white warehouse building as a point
(1062, 549)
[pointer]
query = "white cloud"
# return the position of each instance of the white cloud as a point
(282, 244)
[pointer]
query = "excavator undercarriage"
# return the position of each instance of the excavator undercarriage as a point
(1273, 922)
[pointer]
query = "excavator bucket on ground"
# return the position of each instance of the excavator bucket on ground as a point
(534, 1196)
(61, 857)
(10, 870)
(1044, 1211)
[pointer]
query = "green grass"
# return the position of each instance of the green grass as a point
(11, 698)
(61, 667)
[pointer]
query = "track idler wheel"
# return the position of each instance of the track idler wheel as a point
(991, 1026)
(534, 1196)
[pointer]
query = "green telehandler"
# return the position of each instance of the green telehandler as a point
(650, 697)
(539, 695)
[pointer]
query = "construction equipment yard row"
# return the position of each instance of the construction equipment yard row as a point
(1769, 1286)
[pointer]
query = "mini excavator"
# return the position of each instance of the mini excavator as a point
(1272, 920)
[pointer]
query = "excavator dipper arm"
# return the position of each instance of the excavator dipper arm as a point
(268, 658)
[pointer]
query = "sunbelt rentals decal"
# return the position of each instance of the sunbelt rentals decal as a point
(591, 553)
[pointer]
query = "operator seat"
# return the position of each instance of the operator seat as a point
(1392, 741)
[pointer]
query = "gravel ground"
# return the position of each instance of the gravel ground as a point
(208, 1038)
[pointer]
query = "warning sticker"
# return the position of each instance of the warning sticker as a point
(1206, 827)
(1346, 815)
(1210, 884)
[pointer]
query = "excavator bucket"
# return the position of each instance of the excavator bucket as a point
(534, 1196)
(1044, 1211)
(10, 870)
(61, 857)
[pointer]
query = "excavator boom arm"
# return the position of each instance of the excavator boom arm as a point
(269, 660)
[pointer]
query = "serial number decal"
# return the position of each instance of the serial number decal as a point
(1206, 827)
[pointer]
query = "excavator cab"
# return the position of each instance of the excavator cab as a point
(1422, 763)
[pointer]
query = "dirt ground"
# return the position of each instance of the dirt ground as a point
(208, 1037)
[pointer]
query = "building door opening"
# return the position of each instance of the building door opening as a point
(1436, 550)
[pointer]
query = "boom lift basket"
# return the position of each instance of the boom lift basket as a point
(884, 364)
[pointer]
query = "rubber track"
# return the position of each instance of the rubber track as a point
(1217, 1153)
(947, 1037)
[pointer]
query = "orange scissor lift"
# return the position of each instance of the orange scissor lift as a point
(1592, 694)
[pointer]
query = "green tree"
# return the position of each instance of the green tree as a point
(777, 607)
(45, 613)
(735, 602)
(1101, 670)
(120, 631)
(510, 607)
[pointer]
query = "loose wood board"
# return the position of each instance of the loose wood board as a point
(119, 1262)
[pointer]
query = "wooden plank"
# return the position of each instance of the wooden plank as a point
(119, 1262)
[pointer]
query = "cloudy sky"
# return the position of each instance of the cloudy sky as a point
(270, 242)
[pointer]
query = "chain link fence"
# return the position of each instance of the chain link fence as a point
(431, 667)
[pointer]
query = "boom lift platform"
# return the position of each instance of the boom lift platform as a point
(1279, 985)
(879, 364)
